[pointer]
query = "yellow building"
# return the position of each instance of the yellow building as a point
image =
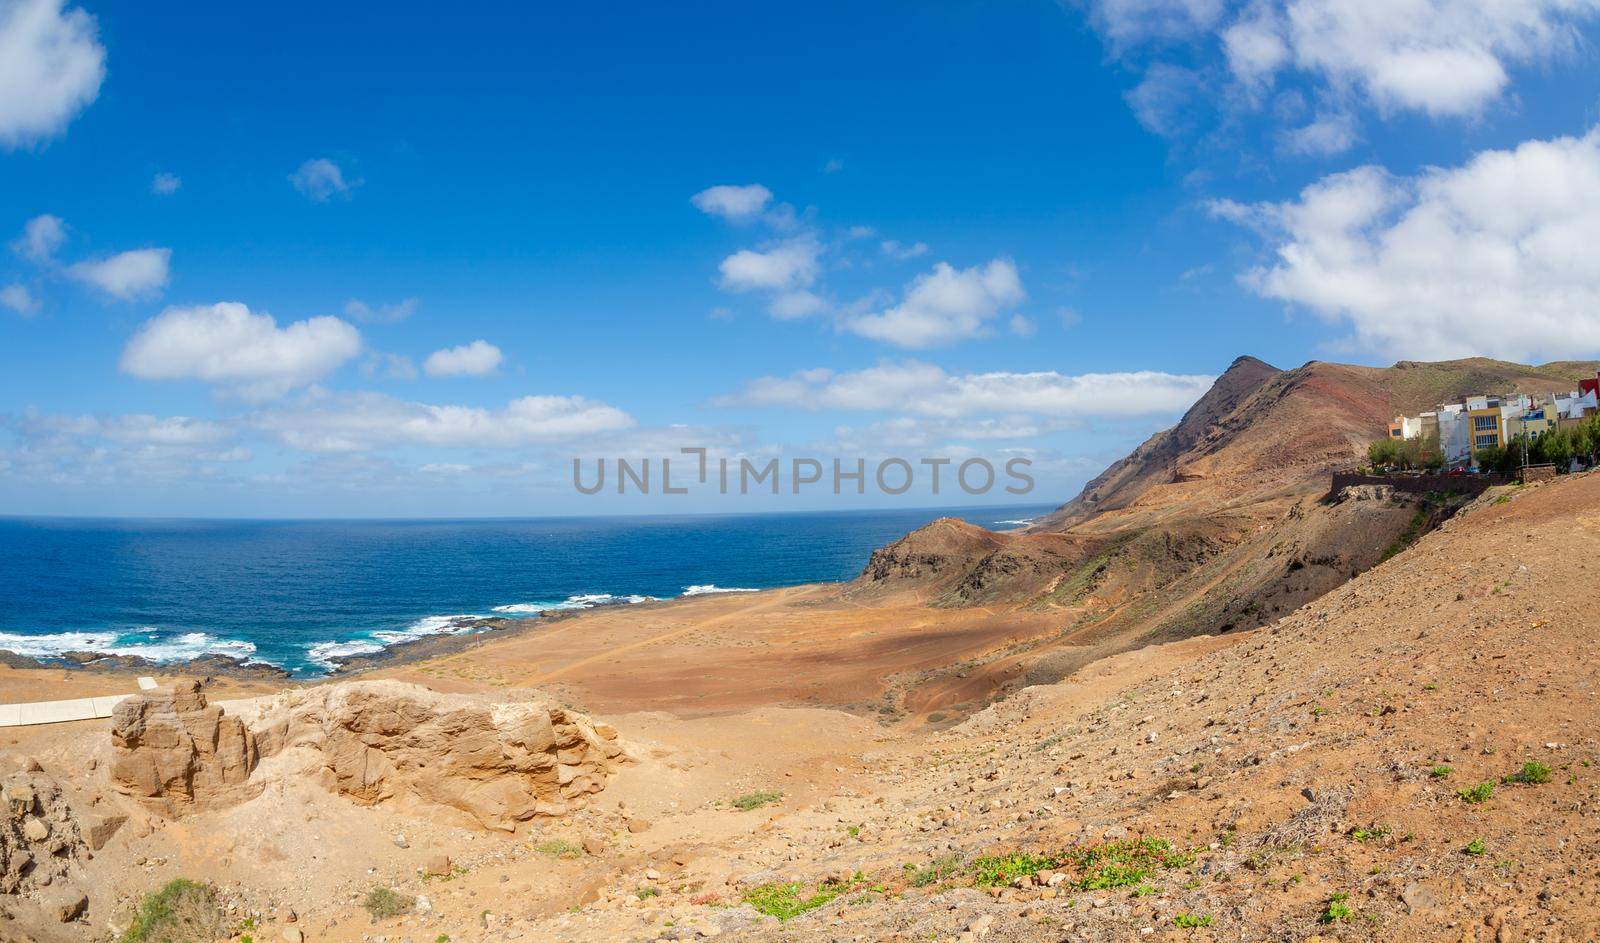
(1484, 426)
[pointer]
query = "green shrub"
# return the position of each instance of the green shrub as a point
(383, 903)
(1475, 847)
(1114, 864)
(1532, 774)
(784, 900)
(939, 869)
(1370, 834)
(1337, 910)
(1190, 920)
(558, 848)
(755, 800)
(182, 911)
(1482, 792)
(646, 892)
(1440, 772)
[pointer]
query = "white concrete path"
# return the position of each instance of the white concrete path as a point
(57, 712)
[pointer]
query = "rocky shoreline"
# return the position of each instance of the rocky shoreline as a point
(230, 666)
(469, 633)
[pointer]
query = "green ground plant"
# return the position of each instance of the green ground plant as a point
(383, 903)
(755, 800)
(180, 911)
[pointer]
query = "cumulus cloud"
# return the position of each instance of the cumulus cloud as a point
(245, 352)
(320, 179)
(1493, 257)
(476, 359)
(735, 203)
(355, 422)
(126, 275)
(1443, 58)
(944, 305)
(784, 266)
(796, 304)
(165, 184)
(41, 237)
(1327, 136)
(895, 249)
(19, 299)
(927, 390)
(358, 310)
(51, 67)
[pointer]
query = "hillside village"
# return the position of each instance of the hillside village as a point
(1487, 431)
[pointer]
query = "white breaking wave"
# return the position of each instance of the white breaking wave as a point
(324, 653)
(581, 601)
(706, 589)
(1026, 520)
(152, 647)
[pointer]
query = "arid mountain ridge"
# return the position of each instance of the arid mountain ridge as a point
(1221, 522)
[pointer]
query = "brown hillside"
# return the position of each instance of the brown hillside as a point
(1221, 523)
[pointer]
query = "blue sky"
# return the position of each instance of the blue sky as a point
(282, 261)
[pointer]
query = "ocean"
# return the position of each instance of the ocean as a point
(298, 593)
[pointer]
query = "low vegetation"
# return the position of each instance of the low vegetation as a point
(1474, 795)
(786, 900)
(1099, 867)
(559, 848)
(1337, 911)
(755, 800)
(939, 869)
(1191, 920)
(383, 903)
(1531, 774)
(181, 911)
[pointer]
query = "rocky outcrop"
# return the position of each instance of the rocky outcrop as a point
(40, 845)
(499, 763)
(172, 750)
(375, 742)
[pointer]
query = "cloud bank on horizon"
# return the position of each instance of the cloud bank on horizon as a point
(336, 312)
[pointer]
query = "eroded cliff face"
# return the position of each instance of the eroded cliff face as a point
(374, 742)
(499, 763)
(174, 751)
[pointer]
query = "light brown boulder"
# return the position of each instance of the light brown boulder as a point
(99, 830)
(172, 750)
(499, 763)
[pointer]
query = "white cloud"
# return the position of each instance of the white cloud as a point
(1161, 100)
(944, 306)
(796, 304)
(165, 184)
(833, 166)
(1327, 136)
(925, 389)
(735, 203)
(126, 275)
(782, 267)
(1131, 22)
(1494, 257)
(19, 299)
(476, 359)
(320, 179)
(51, 67)
(358, 310)
(353, 422)
(41, 237)
(1023, 326)
(1443, 58)
(898, 250)
(393, 366)
(248, 353)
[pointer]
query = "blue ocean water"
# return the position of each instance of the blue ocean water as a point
(294, 593)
